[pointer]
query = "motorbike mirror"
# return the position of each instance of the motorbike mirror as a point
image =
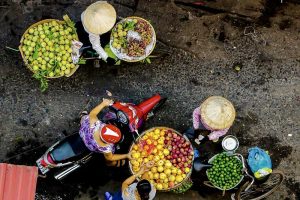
(137, 133)
(133, 134)
(108, 93)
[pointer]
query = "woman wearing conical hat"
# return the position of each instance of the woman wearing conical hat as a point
(96, 22)
(215, 114)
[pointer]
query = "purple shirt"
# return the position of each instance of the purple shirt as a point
(87, 131)
(215, 134)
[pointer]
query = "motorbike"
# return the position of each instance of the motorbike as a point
(70, 153)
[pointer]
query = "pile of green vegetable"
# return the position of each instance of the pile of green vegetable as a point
(226, 171)
(185, 186)
(47, 49)
(120, 32)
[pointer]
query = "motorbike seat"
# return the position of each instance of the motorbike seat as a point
(72, 146)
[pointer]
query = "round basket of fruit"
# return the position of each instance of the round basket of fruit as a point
(46, 48)
(226, 172)
(172, 154)
(132, 39)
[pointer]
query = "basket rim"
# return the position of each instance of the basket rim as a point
(210, 162)
(173, 130)
(26, 61)
(154, 36)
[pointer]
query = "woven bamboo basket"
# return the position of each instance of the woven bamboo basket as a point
(162, 127)
(137, 59)
(22, 53)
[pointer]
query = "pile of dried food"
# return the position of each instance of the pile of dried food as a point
(131, 37)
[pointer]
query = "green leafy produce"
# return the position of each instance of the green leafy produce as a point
(81, 61)
(226, 171)
(148, 60)
(43, 81)
(47, 49)
(185, 186)
(110, 53)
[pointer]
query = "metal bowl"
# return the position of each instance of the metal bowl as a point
(225, 143)
(161, 127)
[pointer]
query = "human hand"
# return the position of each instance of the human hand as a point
(143, 169)
(103, 56)
(150, 164)
(107, 102)
(129, 156)
(146, 167)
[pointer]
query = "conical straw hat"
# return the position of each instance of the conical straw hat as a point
(217, 112)
(99, 17)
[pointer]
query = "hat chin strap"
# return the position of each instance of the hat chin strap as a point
(101, 137)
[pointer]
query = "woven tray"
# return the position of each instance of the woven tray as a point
(22, 53)
(162, 127)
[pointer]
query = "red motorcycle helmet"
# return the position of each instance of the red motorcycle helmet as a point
(110, 134)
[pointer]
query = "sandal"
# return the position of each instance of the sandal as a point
(121, 163)
(83, 113)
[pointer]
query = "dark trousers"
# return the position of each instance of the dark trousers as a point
(192, 134)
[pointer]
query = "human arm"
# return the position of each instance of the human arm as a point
(114, 157)
(93, 114)
(95, 41)
(214, 135)
(132, 178)
(152, 192)
(196, 118)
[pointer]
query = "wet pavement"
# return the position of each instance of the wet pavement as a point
(205, 48)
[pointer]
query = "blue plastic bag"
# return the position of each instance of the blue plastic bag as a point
(108, 196)
(114, 196)
(259, 162)
(196, 153)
